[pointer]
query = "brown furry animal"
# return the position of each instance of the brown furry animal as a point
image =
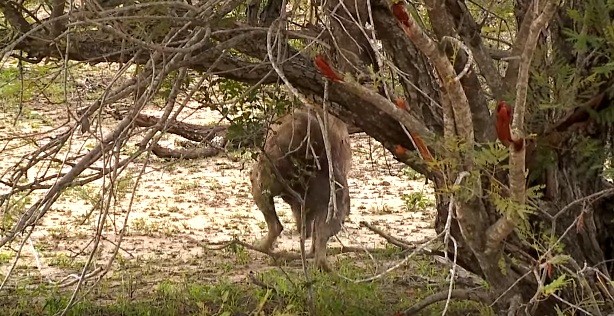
(295, 148)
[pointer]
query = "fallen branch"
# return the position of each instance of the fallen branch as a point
(286, 255)
(252, 277)
(192, 153)
(459, 294)
(389, 238)
(402, 243)
(193, 132)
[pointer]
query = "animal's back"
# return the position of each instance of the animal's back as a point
(295, 147)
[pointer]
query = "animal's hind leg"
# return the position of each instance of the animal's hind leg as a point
(322, 233)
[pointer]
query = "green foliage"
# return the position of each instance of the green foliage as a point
(555, 285)
(593, 31)
(412, 174)
(124, 185)
(543, 158)
(17, 204)
(129, 292)
(37, 80)
(590, 154)
(249, 108)
(490, 155)
(10, 85)
(417, 201)
(6, 256)
(604, 117)
(86, 193)
(514, 210)
(169, 82)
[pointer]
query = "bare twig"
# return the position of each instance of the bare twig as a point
(464, 47)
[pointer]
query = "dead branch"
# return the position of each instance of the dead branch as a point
(193, 132)
(191, 153)
(391, 239)
(291, 256)
(459, 294)
(252, 277)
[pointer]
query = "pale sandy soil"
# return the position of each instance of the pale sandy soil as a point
(180, 204)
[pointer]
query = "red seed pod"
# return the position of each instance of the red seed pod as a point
(399, 12)
(326, 69)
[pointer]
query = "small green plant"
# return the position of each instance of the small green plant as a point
(242, 255)
(61, 260)
(139, 224)
(412, 174)
(14, 209)
(124, 185)
(59, 232)
(186, 187)
(85, 193)
(215, 185)
(383, 210)
(6, 256)
(417, 201)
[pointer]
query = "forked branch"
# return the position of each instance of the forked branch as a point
(453, 90)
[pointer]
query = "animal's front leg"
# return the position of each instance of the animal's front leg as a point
(264, 201)
(267, 206)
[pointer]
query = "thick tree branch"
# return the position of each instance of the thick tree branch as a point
(453, 90)
(505, 225)
(444, 27)
(421, 88)
(193, 132)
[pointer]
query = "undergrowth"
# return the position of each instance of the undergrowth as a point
(137, 290)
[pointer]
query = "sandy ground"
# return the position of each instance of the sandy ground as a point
(179, 204)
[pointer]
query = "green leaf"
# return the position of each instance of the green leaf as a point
(555, 285)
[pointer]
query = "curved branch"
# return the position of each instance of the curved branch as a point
(459, 294)
(442, 18)
(469, 61)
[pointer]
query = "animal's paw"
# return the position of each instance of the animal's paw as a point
(323, 265)
(264, 245)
